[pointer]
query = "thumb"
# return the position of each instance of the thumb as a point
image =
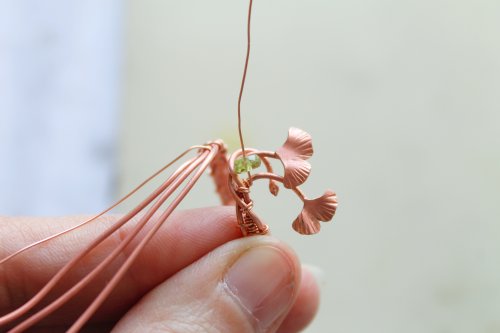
(247, 285)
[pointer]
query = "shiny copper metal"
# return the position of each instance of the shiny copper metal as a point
(95, 217)
(220, 173)
(193, 168)
(232, 189)
(316, 210)
(293, 154)
(248, 222)
(243, 79)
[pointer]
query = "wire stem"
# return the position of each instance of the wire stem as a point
(244, 78)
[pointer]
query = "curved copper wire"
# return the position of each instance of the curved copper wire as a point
(95, 217)
(248, 222)
(123, 269)
(174, 183)
(65, 269)
(296, 149)
(231, 188)
(315, 210)
(243, 79)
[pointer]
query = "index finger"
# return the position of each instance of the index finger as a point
(185, 237)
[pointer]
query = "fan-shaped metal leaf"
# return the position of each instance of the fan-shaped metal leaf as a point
(293, 154)
(316, 210)
(305, 224)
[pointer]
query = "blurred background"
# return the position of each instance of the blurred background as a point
(402, 99)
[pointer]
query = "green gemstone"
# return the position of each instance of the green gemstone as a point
(242, 164)
(254, 161)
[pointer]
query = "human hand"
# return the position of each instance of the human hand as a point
(195, 275)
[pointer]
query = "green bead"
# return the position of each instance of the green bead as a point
(254, 161)
(242, 164)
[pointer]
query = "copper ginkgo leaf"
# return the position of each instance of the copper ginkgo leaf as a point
(305, 224)
(316, 210)
(293, 154)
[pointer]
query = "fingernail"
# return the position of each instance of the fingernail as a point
(262, 281)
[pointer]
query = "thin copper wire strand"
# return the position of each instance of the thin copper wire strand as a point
(123, 269)
(27, 247)
(249, 223)
(264, 155)
(82, 283)
(235, 178)
(244, 78)
(65, 269)
(189, 167)
(51, 283)
(238, 199)
(266, 175)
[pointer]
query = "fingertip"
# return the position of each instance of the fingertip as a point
(264, 281)
(246, 285)
(307, 303)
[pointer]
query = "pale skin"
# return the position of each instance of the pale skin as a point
(187, 279)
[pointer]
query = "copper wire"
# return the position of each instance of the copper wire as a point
(123, 269)
(185, 168)
(243, 79)
(95, 217)
(297, 147)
